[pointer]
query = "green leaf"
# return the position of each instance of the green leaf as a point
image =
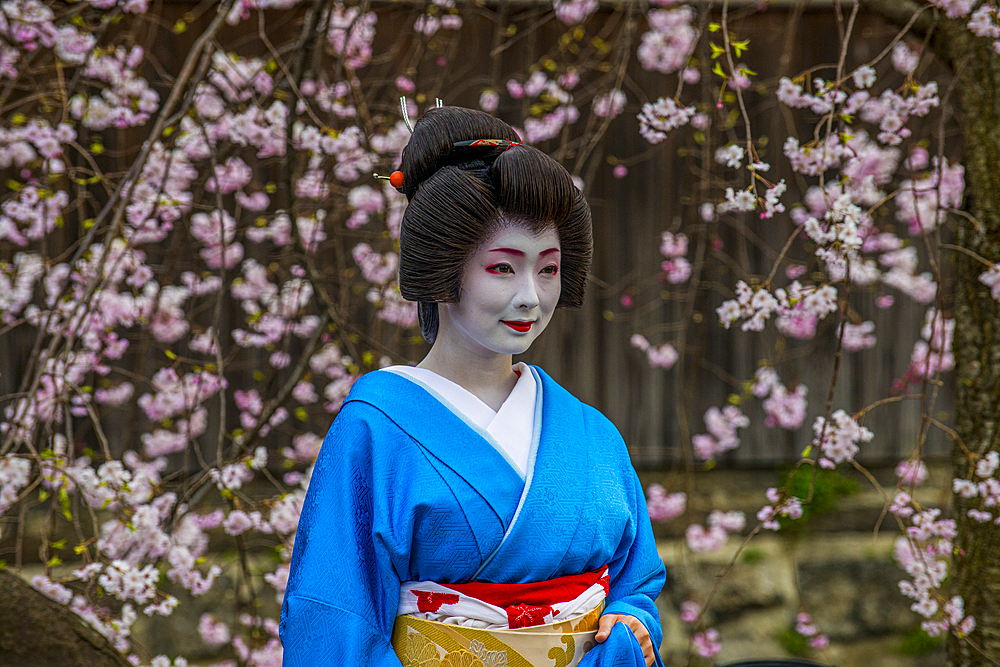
(43, 495)
(716, 50)
(61, 544)
(718, 70)
(740, 47)
(54, 561)
(64, 503)
(179, 27)
(714, 27)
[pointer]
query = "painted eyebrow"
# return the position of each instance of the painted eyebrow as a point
(509, 251)
(520, 253)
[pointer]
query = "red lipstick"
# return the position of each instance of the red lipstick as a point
(520, 326)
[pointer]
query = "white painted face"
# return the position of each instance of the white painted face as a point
(510, 289)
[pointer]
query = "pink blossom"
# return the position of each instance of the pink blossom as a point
(609, 104)
(784, 408)
(667, 45)
(700, 540)
(351, 34)
(911, 473)
(858, 336)
(572, 12)
(839, 438)
(706, 644)
(664, 506)
(678, 270)
(690, 610)
(569, 79)
(721, 436)
(659, 118)
(489, 100)
(229, 177)
(954, 8)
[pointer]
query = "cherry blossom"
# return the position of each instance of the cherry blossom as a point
(659, 118)
(669, 41)
(609, 104)
(664, 506)
(721, 436)
(838, 439)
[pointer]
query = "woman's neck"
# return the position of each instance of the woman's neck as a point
(486, 375)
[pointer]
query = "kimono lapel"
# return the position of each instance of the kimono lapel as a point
(443, 434)
(539, 543)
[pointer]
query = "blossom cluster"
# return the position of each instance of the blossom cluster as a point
(780, 506)
(659, 356)
(784, 408)
(555, 102)
(805, 626)
(891, 111)
(572, 12)
(664, 506)
(720, 525)
(671, 38)
(799, 308)
(838, 438)
(350, 34)
(923, 554)
(983, 485)
(721, 436)
(706, 642)
(676, 267)
(932, 354)
(660, 117)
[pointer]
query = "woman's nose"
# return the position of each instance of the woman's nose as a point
(527, 294)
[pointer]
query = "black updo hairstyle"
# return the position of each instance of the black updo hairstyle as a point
(459, 196)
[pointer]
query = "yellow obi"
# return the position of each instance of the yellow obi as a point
(423, 643)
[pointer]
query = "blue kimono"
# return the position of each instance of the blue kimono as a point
(405, 490)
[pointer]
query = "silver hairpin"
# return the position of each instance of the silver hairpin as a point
(406, 116)
(439, 102)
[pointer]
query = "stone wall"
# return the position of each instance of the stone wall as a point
(835, 568)
(832, 566)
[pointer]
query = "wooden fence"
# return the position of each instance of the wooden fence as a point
(588, 350)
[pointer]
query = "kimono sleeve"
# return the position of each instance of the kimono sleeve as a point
(342, 594)
(637, 572)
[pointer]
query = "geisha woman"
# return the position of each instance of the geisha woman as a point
(470, 511)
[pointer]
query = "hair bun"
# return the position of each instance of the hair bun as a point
(432, 144)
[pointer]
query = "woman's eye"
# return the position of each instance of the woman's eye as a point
(551, 269)
(500, 268)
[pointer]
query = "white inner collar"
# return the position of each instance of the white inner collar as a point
(511, 426)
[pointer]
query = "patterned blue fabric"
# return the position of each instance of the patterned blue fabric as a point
(404, 490)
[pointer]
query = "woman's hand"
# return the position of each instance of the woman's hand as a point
(634, 624)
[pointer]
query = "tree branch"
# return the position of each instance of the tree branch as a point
(901, 12)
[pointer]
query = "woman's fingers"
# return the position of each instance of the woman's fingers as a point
(635, 625)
